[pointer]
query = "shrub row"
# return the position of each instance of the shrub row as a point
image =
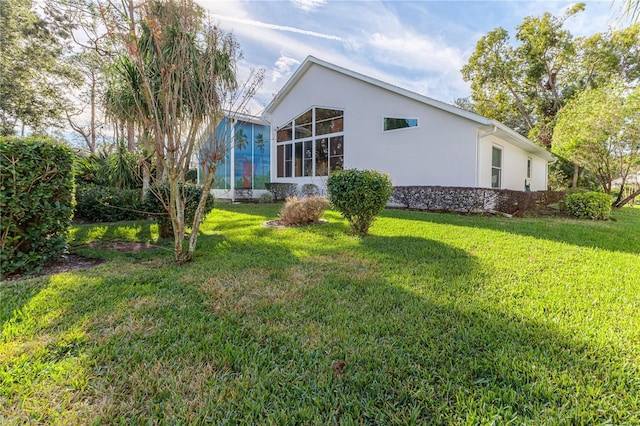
(36, 199)
(96, 203)
(443, 198)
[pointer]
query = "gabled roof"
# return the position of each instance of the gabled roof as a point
(483, 122)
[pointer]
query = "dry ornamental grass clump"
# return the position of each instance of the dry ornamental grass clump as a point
(302, 211)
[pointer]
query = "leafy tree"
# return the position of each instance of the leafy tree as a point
(600, 130)
(33, 76)
(180, 73)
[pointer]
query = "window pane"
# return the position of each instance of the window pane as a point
(288, 159)
(495, 177)
(336, 151)
(496, 157)
(399, 123)
(305, 118)
(284, 133)
(529, 168)
(337, 146)
(308, 159)
(324, 114)
(330, 126)
(298, 162)
(280, 160)
(322, 157)
(303, 130)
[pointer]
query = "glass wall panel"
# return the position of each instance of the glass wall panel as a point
(322, 157)
(336, 158)
(261, 157)
(288, 160)
(308, 159)
(298, 160)
(280, 159)
(284, 133)
(243, 167)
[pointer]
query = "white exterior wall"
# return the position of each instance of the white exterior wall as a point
(514, 166)
(445, 149)
(440, 151)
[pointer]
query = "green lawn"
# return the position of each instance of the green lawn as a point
(440, 319)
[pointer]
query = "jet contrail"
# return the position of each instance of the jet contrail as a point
(275, 27)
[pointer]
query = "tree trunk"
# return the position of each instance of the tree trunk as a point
(576, 175)
(131, 139)
(146, 177)
(92, 130)
(621, 203)
(197, 219)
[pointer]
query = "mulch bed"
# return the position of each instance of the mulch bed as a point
(280, 224)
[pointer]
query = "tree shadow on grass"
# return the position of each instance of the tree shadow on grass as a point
(252, 339)
(607, 235)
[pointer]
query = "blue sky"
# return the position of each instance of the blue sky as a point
(418, 45)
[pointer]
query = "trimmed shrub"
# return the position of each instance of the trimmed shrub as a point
(589, 205)
(265, 198)
(96, 203)
(360, 195)
(191, 176)
(303, 211)
(309, 190)
(155, 207)
(36, 199)
(282, 191)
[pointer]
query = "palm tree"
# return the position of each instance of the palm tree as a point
(241, 139)
(260, 143)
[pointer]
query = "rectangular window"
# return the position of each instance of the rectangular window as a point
(391, 123)
(496, 167)
(529, 160)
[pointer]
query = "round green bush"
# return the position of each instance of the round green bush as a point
(156, 207)
(589, 205)
(36, 201)
(360, 195)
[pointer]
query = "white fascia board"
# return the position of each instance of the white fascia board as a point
(522, 142)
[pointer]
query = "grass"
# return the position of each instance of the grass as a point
(439, 319)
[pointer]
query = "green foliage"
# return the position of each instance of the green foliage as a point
(303, 211)
(280, 190)
(265, 197)
(191, 176)
(96, 203)
(36, 200)
(600, 130)
(589, 205)
(34, 76)
(157, 202)
(360, 195)
(119, 169)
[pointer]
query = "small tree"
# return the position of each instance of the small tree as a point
(600, 130)
(360, 195)
(180, 72)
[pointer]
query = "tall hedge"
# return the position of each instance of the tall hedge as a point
(36, 202)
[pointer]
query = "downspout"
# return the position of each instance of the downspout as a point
(481, 135)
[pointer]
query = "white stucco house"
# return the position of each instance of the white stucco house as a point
(327, 117)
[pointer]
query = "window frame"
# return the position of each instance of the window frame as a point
(385, 118)
(529, 167)
(314, 140)
(498, 168)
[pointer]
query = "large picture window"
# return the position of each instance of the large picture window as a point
(312, 144)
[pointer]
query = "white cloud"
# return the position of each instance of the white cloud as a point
(308, 5)
(283, 68)
(252, 23)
